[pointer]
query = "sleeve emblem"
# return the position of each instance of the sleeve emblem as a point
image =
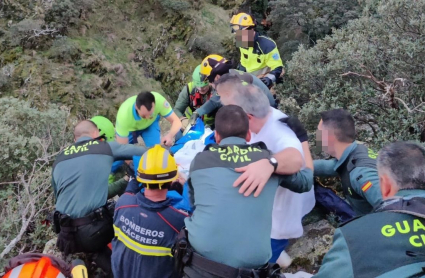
(366, 186)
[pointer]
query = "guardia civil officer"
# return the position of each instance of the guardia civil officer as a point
(354, 163)
(80, 183)
(259, 54)
(229, 232)
(145, 223)
(390, 242)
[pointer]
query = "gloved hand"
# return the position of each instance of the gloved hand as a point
(297, 127)
(185, 122)
(129, 170)
(267, 81)
(193, 118)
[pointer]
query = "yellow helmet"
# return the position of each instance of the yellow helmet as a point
(157, 167)
(242, 21)
(209, 63)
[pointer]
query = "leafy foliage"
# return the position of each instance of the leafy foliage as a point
(32, 34)
(304, 22)
(66, 13)
(373, 67)
(175, 6)
(63, 49)
(25, 133)
(30, 138)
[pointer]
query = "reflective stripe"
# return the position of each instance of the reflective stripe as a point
(145, 161)
(140, 248)
(60, 275)
(16, 271)
(165, 159)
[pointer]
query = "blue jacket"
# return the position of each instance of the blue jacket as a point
(144, 234)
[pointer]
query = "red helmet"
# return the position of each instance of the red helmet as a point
(40, 269)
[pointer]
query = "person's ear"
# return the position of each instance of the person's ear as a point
(217, 137)
(217, 77)
(388, 188)
(248, 136)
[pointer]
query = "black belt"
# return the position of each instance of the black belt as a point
(94, 216)
(222, 270)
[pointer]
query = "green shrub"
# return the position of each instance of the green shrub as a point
(30, 140)
(373, 67)
(298, 22)
(64, 49)
(175, 6)
(32, 34)
(66, 13)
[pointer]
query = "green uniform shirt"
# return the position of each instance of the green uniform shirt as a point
(226, 226)
(182, 103)
(80, 183)
(129, 120)
(360, 177)
(354, 250)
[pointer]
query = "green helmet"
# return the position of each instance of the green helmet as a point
(105, 126)
(196, 78)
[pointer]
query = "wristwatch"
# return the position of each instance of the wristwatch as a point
(273, 162)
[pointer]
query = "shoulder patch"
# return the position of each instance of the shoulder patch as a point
(275, 56)
(366, 186)
(166, 104)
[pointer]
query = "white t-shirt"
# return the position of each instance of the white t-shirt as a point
(289, 207)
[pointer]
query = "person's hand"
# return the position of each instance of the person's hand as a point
(193, 118)
(167, 140)
(267, 81)
(129, 169)
(297, 127)
(254, 177)
(181, 179)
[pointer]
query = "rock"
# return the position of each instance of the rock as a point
(308, 251)
(51, 249)
(118, 68)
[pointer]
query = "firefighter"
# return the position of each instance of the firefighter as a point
(145, 223)
(259, 54)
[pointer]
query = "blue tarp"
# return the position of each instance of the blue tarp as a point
(194, 133)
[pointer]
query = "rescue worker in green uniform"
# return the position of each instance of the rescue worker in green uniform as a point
(391, 241)
(193, 96)
(107, 130)
(354, 163)
(83, 217)
(259, 54)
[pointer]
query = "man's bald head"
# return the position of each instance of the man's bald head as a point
(85, 129)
